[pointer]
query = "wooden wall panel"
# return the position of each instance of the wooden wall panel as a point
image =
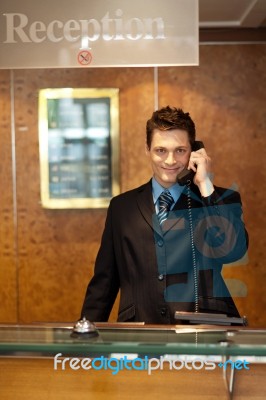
(57, 248)
(8, 244)
(226, 97)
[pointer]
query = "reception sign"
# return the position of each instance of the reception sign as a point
(98, 33)
(78, 142)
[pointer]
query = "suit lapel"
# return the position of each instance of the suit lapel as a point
(146, 207)
(195, 197)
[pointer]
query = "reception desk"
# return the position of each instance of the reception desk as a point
(132, 361)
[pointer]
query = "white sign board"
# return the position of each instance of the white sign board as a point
(98, 33)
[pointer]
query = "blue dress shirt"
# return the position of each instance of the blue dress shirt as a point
(157, 190)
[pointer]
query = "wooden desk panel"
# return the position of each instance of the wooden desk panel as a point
(32, 379)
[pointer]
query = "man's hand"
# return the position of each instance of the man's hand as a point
(200, 163)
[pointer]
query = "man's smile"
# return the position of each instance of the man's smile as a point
(172, 170)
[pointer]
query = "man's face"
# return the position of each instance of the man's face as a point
(169, 155)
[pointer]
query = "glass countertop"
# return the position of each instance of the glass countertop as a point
(124, 338)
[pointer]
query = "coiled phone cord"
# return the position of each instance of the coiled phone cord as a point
(194, 261)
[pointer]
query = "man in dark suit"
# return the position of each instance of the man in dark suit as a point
(164, 244)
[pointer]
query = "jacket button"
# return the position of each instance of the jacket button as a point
(163, 311)
(160, 243)
(160, 277)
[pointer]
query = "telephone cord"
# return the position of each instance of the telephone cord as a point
(194, 261)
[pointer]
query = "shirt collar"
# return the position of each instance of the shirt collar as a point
(157, 190)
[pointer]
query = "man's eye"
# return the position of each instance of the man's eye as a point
(160, 151)
(180, 151)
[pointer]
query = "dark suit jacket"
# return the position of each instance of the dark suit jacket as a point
(131, 247)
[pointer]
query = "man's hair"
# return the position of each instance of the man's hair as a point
(168, 118)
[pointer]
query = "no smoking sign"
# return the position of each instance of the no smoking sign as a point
(84, 57)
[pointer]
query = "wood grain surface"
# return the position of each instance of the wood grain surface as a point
(31, 379)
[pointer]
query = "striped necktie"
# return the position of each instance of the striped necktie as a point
(165, 202)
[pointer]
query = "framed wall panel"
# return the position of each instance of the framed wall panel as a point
(79, 147)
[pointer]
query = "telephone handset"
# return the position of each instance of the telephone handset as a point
(188, 174)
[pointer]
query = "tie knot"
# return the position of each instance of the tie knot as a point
(165, 202)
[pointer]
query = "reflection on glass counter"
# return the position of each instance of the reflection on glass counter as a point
(140, 339)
